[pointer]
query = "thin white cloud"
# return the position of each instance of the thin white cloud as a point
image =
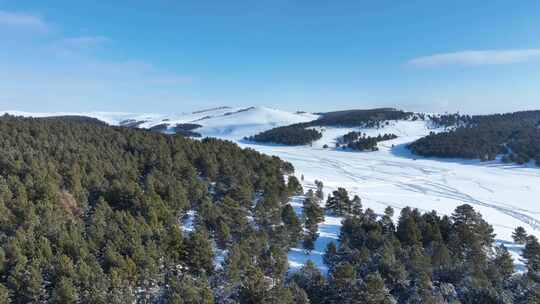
(76, 70)
(477, 58)
(23, 21)
(75, 45)
(85, 41)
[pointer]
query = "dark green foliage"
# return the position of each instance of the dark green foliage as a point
(293, 224)
(520, 235)
(502, 264)
(355, 118)
(339, 203)
(361, 142)
(319, 194)
(159, 128)
(425, 259)
(532, 254)
(186, 127)
(294, 186)
(515, 135)
(313, 215)
(293, 135)
(186, 133)
(312, 281)
(373, 290)
(91, 213)
(301, 134)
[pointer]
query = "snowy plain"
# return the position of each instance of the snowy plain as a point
(506, 195)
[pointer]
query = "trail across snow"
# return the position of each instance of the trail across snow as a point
(506, 195)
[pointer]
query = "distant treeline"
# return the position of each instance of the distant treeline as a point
(365, 118)
(293, 135)
(186, 129)
(183, 129)
(361, 142)
(514, 135)
(299, 134)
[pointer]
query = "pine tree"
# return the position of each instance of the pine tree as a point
(294, 186)
(310, 279)
(299, 295)
(341, 283)
(5, 294)
(330, 255)
(373, 290)
(313, 214)
(339, 203)
(389, 211)
(503, 262)
(356, 206)
(531, 253)
(319, 192)
(200, 252)
(187, 290)
(65, 292)
(255, 287)
(222, 235)
(520, 235)
(407, 229)
(292, 223)
(308, 243)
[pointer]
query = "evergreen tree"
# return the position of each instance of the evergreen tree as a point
(531, 253)
(373, 290)
(503, 263)
(299, 295)
(294, 186)
(319, 192)
(292, 222)
(339, 203)
(330, 256)
(519, 235)
(356, 206)
(65, 292)
(389, 211)
(5, 296)
(200, 253)
(341, 284)
(313, 215)
(255, 287)
(312, 281)
(407, 229)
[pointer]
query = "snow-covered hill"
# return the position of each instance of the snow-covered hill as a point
(224, 122)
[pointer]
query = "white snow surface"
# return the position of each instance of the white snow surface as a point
(223, 122)
(506, 195)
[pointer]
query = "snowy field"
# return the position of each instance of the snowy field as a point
(506, 195)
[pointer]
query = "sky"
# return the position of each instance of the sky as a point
(167, 56)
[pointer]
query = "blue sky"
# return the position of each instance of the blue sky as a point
(174, 56)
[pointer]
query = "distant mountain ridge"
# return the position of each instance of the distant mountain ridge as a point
(223, 122)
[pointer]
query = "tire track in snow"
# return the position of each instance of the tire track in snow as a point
(431, 188)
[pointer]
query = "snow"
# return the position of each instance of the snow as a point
(188, 221)
(223, 122)
(506, 195)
